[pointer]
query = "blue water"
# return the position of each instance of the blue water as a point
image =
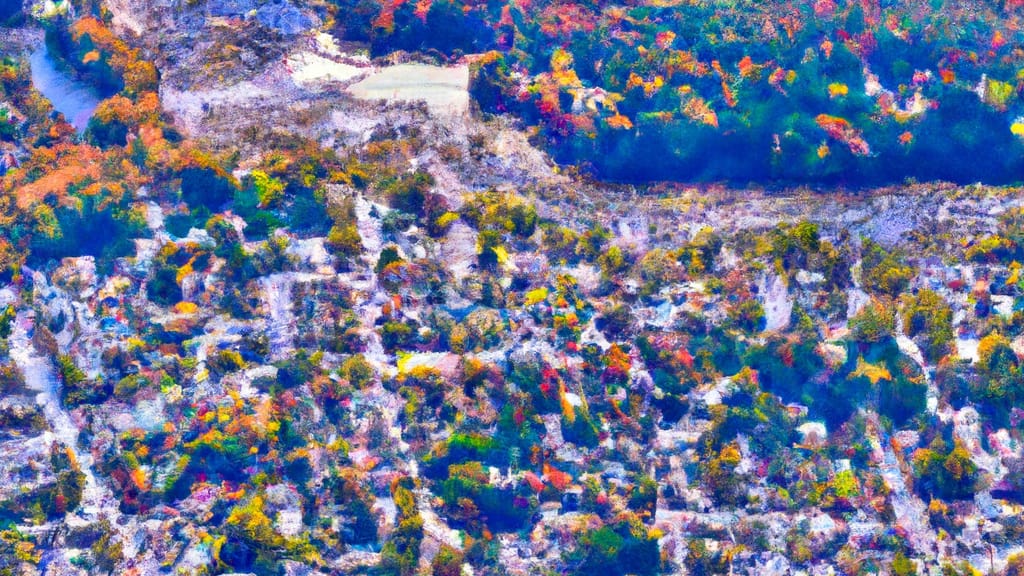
(76, 100)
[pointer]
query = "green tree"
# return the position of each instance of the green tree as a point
(524, 220)
(945, 473)
(875, 323)
(447, 562)
(357, 371)
(1000, 386)
(388, 255)
(408, 192)
(748, 315)
(884, 271)
(928, 318)
(6, 322)
(902, 566)
(488, 243)
(210, 187)
(401, 553)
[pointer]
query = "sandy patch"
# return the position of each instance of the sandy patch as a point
(445, 90)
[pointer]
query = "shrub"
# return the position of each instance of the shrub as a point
(748, 315)
(447, 562)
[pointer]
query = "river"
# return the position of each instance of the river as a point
(76, 100)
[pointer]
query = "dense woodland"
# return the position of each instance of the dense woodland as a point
(857, 93)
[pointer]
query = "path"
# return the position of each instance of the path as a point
(41, 376)
(910, 511)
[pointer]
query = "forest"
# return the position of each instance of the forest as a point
(832, 92)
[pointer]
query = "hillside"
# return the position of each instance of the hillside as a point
(307, 288)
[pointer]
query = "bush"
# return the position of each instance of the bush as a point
(76, 387)
(7, 321)
(615, 321)
(96, 227)
(345, 242)
(447, 562)
(110, 133)
(1000, 385)
(617, 550)
(396, 335)
(402, 551)
(580, 430)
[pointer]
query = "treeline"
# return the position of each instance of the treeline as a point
(836, 92)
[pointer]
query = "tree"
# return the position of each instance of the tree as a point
(602, 549)
(6, 321)
(580, 429)
(613, 263)
(252, 541)
(225, 361)
(700, 561)
(76, 387)
(344, 241)
(269, 191)
(396, 335)
(903, 566)
(488, 244)
(105, 552)
(902, 397)
(722, 480)
(928, 318)
(401, 552)
(1001, 383)
(591, 243)
(447, 562)
(408, 192)
(884, 271)
(357, 371)
(875, 323)
(1015, 565)
(616, 320)
(559, 242)
(524, 220)
(945, 473)
(388, 255)
(207, 186)
(748, 315)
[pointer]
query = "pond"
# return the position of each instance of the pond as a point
(75, 100)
